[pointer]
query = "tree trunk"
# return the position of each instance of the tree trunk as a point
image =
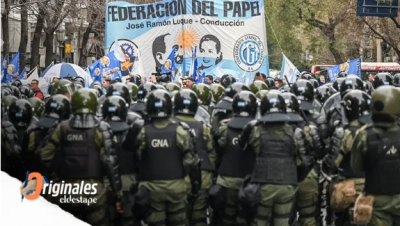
(49, 48)
(24, 35)
(83, 53)
(330, 33)
(35, 45)
(5, 29)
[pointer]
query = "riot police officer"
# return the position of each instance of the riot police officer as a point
(87, 149)
(396, 80)
(270, 83)
(304, 91)
(217, 93)
(26, 92)
(277, 147)
(56, 109)
(64, 87)
(165, 156)
(185, 107)
(227, 80)
(204, 96)
(234, 163)
(357, 109)
(223, 109)
(172, 86)
(382, 79)
(140, 106)
(38, 106)
(324, 92)
(133, 89)
(115, 111)
(375, 153)
(256, 86)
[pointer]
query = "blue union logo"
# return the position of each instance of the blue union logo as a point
(249, 52)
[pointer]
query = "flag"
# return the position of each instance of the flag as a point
(110, 66)
(169, 65)
(194, 65)
(352, 68)
(4, 64)
(33, 74)
(12, 68)
(22, 75)
(44, 72)
(95, 71)
(289, 70)
(139, 64)
(201, 78)
(119, 55)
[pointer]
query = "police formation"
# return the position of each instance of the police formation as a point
(220, 154)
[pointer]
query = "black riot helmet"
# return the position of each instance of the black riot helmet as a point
(342, 74)
(292, 107)
(133, 89)
(244, 104)
(324, 92)
(26, 92)
(357, 105)
(314, 82)
(382, 79)
(303, 89)
(159, 86)
(256, 86)
(306, 76)
(235, 88)
(95, 83)
(5, 92)
(337, 83)
(79, 80)
(58, 106)
(273, 107)
(137, 79)
(144, 90)
(119, 89)
(285, 89)
(20, 113)
(227, 80)
(186, 102)
(17, 83)
(351, 82)
(159, 104)
(15, 92)
(270, 82)
(114, 108)
(396, 79)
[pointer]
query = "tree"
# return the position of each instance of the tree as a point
(24, 35)
(5, 28)
(35, 44)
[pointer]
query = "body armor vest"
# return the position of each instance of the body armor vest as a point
(235, 162)
(161, 160)
(201, 145)
(81, 154)
(345, 164)
(276, 163)
(125, 157)
(382, 176)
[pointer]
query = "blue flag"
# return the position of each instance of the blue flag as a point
(110, 66)
(194, 66)
(352, 68)
(95, 71)
(4, 64)
(22, 75)
(13, 68)
(201, 78)
(169, 65)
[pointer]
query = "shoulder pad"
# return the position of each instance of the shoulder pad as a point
(8, 127)
(321, 119)
(103, 126)
(184, 125)
(138, 123)
(299, 133)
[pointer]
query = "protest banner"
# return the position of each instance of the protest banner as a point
(231, 33)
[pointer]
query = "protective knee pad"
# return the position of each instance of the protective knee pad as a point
(343, 195)
(363, 209)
